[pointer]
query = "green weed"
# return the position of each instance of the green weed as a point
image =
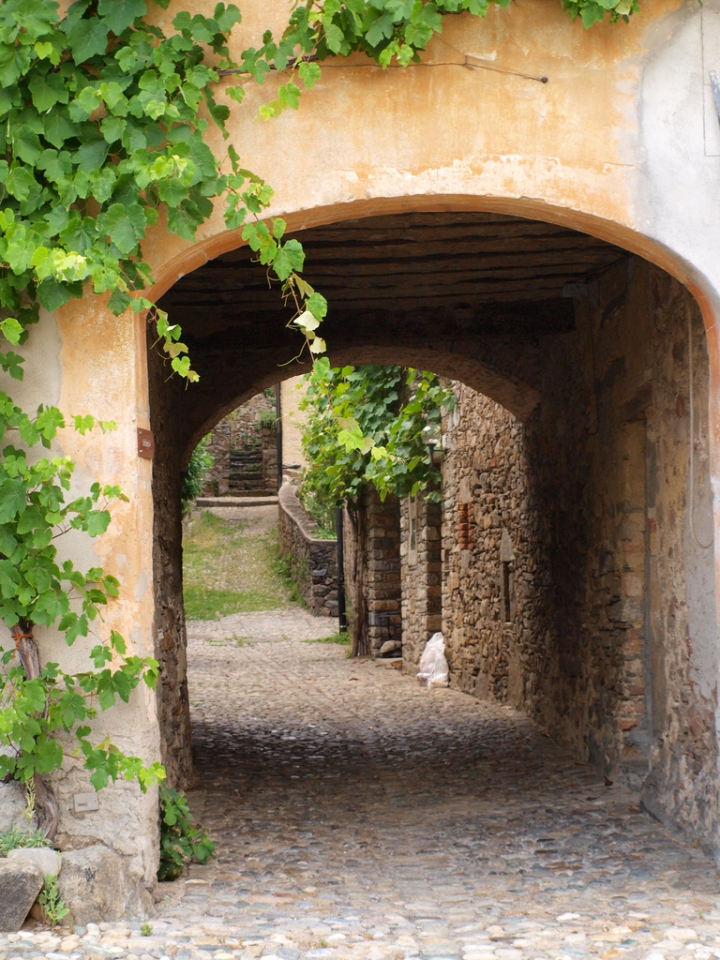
(14, 839)
(180, 840)
(50, 902)
(343, 638)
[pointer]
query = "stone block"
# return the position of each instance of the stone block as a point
(20, 883)
(45, 859)
(96, 884)
(12, 806)
(390, 646)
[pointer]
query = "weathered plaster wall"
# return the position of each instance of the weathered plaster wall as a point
(88, 362)
(293, 418)
(602, 625)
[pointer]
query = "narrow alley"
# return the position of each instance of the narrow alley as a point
(360, 815)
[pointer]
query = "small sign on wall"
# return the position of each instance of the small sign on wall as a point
(146, 444)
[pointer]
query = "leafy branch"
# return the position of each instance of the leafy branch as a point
(366, 426)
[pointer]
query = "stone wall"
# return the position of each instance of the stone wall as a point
(421, 581)
(570, 564)
(382, 573)
(244, 451)
(313, 562)
(372, 574)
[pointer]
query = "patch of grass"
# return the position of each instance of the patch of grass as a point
(343, 638)
(325, 533)
(228, 569)
(202, 603)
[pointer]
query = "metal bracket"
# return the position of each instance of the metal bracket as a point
(146, 444)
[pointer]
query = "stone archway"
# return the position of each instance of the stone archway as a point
(571, 335)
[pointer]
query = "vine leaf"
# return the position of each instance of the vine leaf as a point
(124, 225)
(120, 14)
(88, 38)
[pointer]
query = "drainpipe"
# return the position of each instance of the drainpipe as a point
(342, 619)
(278, 435)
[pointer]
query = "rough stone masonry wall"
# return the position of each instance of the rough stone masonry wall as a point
(421, 564)
(489, 613)
(382, 571)
(313, 562)
(240, 431)
(582, 594)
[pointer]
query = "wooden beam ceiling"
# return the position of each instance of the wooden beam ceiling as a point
(479, 272)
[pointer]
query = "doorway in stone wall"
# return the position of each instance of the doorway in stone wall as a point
(576, 577)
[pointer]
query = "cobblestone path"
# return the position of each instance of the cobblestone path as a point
(359, 815)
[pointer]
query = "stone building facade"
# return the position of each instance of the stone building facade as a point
(244, 449)
(421, 576)
(372, 574)
(576, 545)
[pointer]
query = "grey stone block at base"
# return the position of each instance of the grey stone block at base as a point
(46, 860)
(20, 883)
(96, 884)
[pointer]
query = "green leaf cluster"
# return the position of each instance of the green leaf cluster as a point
(386, 30)
(365, 426)
(102, 128)
(38, 587)
(50, 901)
(180, 840)
(14, 839)
(195, 474)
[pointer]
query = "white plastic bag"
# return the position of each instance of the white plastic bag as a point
(433, 669)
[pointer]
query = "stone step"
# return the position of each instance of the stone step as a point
(264, 501)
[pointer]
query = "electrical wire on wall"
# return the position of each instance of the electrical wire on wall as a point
(703, 546)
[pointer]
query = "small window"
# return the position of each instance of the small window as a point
(506, 591)
(413, 532)
(464, 526)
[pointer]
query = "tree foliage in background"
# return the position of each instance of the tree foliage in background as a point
(366, 426)
(195, 474)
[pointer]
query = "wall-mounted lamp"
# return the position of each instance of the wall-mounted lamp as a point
(433, 441)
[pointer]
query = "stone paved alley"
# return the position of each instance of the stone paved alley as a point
(359, 815)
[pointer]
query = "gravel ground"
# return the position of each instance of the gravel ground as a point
(359, 815)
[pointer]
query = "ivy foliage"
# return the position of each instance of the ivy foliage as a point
(386, 30)
(181, 841)
(38, 587)
(195, 474)
(368, 425)
(103, 122)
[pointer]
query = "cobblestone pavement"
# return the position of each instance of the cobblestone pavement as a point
(360, 816)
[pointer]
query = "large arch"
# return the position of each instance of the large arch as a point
(621, 144)
(557, 327)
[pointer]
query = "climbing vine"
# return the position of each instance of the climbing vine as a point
(368, 425)
(103, 129)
